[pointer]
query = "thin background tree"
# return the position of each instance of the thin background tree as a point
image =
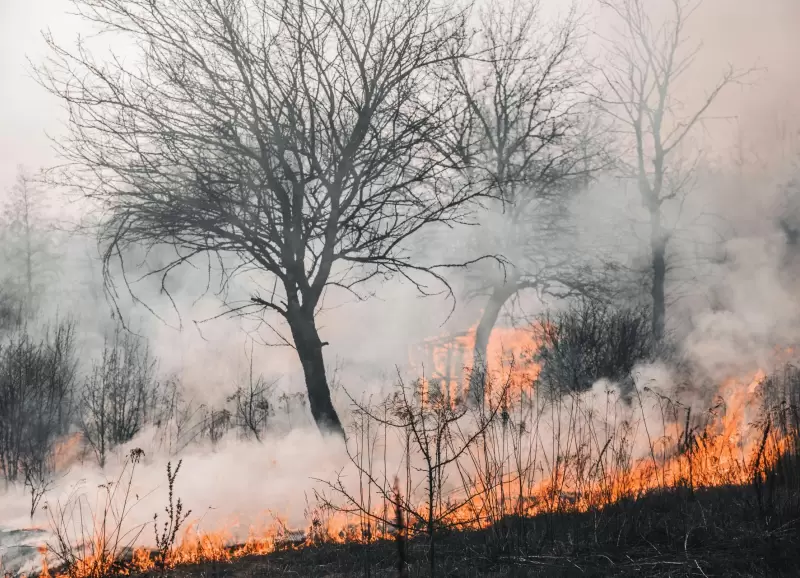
(645, 63)
(27, 241)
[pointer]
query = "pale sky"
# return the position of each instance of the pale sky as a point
(26, 111)
(743, 32)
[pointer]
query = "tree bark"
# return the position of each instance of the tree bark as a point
(477, 382)
(309, 349)
(658, 248)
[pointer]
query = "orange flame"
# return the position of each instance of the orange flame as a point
(448, 361)
(724, 447)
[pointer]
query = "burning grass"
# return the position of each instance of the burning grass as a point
(714, 532)
(599, 481)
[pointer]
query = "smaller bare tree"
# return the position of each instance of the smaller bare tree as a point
(532, 147)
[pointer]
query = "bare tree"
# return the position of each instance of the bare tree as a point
(644, 66)
(309, 139)
(531, 149)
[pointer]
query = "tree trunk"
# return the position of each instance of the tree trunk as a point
(431, 521)
(309, 349)
(491, 312)
(658, 248)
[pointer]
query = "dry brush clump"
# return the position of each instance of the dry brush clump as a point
(589, 341)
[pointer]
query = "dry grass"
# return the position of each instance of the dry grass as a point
(528, 485)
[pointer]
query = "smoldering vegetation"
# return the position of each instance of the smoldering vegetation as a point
(600, 378)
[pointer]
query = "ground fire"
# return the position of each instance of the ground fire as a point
(598, 454)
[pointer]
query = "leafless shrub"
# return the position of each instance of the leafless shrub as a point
(37, 381)
(436, 432)
(119, 395)
(179, 419)
(216, 423)
(591, 340)
(252, 407)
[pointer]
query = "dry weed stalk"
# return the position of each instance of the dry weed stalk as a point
(97, 550)
(401, 533)
(165, 539)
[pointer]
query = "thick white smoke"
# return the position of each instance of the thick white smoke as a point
(732, 314)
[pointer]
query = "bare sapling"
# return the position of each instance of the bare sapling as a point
(38, 481)
(437, 431)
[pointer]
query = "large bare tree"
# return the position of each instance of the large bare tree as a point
(646, 63)
(309, 138)
(531, 148)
